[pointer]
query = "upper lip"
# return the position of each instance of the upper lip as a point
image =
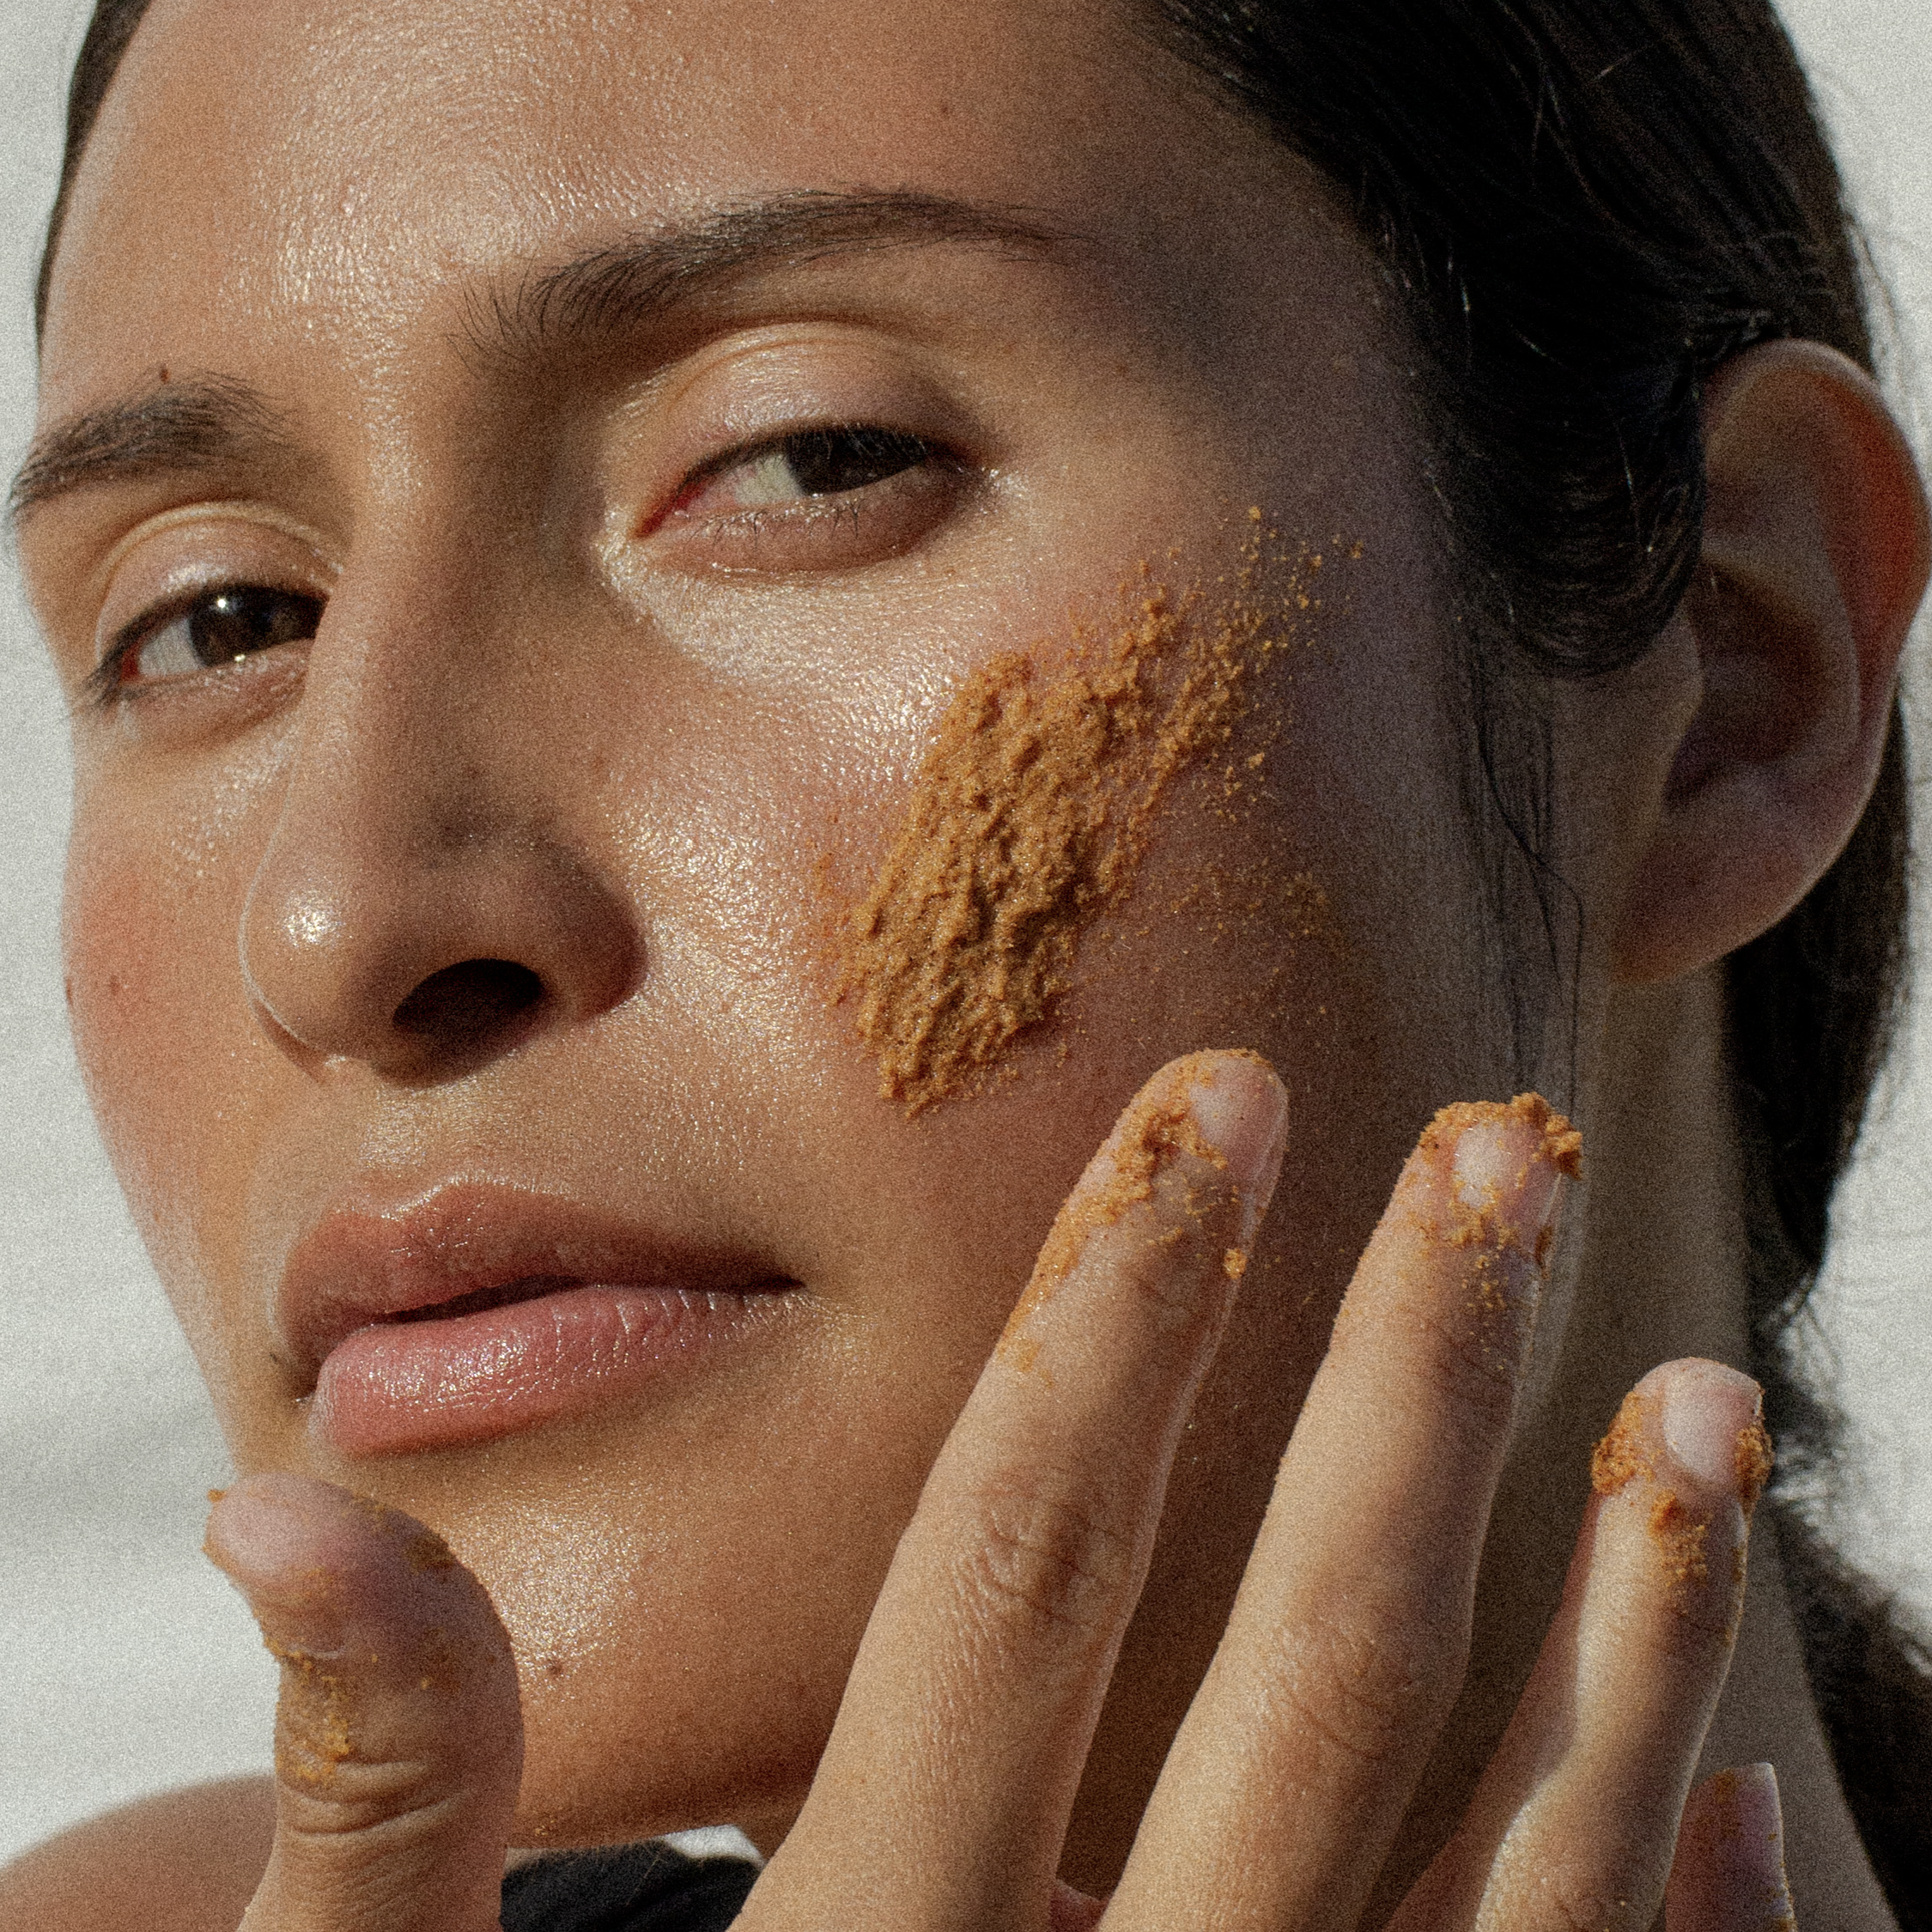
(477, 1244)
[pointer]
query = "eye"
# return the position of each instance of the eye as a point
(217, 628)
(813, 462)
(817, 500)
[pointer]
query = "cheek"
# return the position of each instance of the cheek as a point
(152, 988)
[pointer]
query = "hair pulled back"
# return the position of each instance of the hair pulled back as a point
(1585, 207)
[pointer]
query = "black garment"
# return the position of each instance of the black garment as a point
(649, 1888)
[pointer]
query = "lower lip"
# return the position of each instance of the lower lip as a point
(397, 1387)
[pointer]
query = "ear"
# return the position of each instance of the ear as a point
(1816, 548)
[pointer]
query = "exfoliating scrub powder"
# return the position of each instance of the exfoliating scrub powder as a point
(1030, 816)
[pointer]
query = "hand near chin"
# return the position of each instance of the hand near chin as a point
(943, 1797)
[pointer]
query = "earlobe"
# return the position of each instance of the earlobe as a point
(1816, 551)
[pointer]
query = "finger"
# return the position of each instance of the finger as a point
(1349, 1635)
(944, 1793)
(1574, 1820)
(1729, 1873)
(398, 1743)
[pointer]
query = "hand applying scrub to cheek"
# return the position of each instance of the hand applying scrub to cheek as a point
(943, 1795)
(490, 593)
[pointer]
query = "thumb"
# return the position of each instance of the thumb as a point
(398, 1741)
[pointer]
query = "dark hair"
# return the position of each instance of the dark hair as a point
(1586, 206)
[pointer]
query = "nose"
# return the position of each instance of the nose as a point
(423, 905)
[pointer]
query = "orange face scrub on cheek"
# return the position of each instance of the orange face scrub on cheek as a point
(1030, 816)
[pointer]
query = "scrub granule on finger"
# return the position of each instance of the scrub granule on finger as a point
(1561, 1143)
(1560, 1147)
(1482, 1216)
(312, 1732)
(1624, 1453)
(1030, 816)
(1753, 1461)
(1155, 1131)
(1679, 1538)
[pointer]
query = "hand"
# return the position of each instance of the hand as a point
(943, 1795)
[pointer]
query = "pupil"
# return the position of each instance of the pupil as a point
(826, 462)
(235, 622)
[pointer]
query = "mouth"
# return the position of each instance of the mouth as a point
(476, 1311)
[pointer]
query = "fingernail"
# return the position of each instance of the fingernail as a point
(1241, 1109)
(261, 1543)
(1757, 1818)
(1711, 1428)
(1501, 1165)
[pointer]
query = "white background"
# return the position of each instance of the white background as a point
(125, 1663)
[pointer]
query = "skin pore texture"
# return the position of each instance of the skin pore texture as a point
(586, 698)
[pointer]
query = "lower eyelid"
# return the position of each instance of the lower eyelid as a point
(883, 518)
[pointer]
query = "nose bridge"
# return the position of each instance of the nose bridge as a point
(427, 897)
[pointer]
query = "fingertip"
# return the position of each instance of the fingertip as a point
(1218, 1118)
(1696, 1423)
(398, 1735)
(260, 1535)
(1748, 1799)
(1674, 1478)
(311, 1558)
(1508, 1162)
(1713, 1427)
(1729, 1874)
(1241, 1110)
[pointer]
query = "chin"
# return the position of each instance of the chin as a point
(609, 1764)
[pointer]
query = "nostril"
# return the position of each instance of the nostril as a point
(468, 1004)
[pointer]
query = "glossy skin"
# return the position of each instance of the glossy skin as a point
(473, 539)
(584, 699)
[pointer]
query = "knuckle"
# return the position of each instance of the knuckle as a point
(1044, 1561)
(354, 1798)
(1370, 1694)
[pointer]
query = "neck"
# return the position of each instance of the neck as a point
(1655, 1271)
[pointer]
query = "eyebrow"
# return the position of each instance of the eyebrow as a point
(205, 422)
(638, 280)
(195, 422)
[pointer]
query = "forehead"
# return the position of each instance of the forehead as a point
(337, 163)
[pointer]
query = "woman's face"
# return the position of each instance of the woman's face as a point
(458, 346)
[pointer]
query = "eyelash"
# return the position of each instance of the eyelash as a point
(884, 453)
(881, 455)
